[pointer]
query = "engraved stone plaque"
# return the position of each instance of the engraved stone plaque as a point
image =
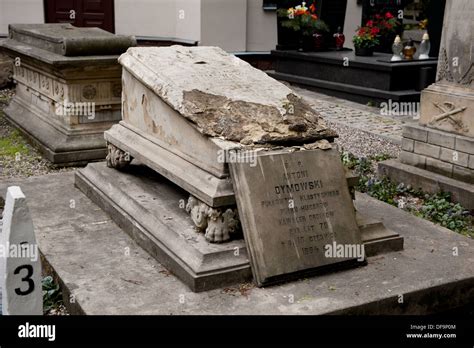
(293, 205)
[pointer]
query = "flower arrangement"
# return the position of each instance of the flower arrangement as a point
(386, 24)
(378, 33)
(303, 19)
(366, 37)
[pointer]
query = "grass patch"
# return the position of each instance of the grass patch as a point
(437, 208)
(13, 144)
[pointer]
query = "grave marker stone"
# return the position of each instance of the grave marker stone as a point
(295, 207)
(20, 260)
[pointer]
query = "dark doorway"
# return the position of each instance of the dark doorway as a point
(333, 12)
(81, 13)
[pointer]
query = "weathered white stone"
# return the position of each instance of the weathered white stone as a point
(20, 261)
(224, 96)
(180, 121)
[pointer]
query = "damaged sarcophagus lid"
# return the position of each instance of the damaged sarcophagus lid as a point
(186, 109)
(68, 87)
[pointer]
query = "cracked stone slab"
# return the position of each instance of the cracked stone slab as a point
(224, 96)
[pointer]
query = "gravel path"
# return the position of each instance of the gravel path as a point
(356, 116)
(361, 129)
(363, 144)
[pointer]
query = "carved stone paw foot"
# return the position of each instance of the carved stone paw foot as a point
(218, 224)
(117, 158)
(198, 212)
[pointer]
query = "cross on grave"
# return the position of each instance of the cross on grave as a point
(449, 110)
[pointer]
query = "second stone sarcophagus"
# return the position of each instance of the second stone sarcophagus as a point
(68, 87)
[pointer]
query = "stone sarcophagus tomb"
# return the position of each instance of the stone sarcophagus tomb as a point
(235, 151)
(68, 87)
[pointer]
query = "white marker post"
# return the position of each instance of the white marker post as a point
(20, 265)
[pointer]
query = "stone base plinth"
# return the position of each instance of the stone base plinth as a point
(439, 152)
(376, 237)
(428, 181)
(434, 161)
(151, 210)
(448, 107)
(60, 146)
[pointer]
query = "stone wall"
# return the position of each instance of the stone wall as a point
(439, 152)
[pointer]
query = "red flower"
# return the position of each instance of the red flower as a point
(370, 23)
(312, 8)
(375, 31)
(314, 16)
(388, 15)
(377, 16)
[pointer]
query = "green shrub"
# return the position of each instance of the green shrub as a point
(52, 297)
(437, 208)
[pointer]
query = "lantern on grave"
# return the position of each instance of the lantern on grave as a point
(425, 47)
(340, 39)
(397, 49)
(409, 50)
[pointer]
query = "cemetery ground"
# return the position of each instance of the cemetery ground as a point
(365, 138)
